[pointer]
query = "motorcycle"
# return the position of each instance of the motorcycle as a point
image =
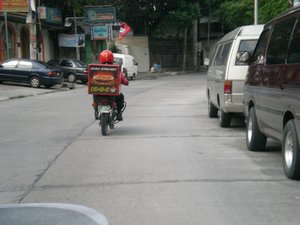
(106, 111)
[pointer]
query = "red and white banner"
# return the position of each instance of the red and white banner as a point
(124, 30)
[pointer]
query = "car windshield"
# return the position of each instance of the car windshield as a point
(78, 63)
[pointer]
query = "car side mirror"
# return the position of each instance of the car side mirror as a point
(243, 58)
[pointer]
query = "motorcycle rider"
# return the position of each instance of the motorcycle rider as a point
(107, 57)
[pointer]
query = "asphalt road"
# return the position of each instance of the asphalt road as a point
(167, 163)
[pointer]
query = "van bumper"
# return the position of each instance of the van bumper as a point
(233, 103)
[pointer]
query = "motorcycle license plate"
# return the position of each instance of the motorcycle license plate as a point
(104, 109)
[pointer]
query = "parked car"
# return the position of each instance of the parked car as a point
(128, 63)
(30, 71)
(72, 69)
(272, 90)
(226, 76)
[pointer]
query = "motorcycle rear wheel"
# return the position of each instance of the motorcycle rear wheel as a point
(104, 124)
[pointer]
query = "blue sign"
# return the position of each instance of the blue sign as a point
(99, 15)
(99, 32)
(53, 15)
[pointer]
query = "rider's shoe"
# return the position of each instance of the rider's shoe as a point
(96, 114)
(119, 116)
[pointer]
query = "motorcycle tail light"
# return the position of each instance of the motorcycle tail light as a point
(227, 86)
(103, 101)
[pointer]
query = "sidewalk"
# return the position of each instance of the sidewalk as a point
(12, 90)
(155, 75)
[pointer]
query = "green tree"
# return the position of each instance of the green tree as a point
(183, 17)
(234, 13)
(269, 9)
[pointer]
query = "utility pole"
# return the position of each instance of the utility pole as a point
(195, 43)
(77, 48)
(255, 12)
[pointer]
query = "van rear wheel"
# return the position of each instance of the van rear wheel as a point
(224, 118)
(291, 151)
(212, 110)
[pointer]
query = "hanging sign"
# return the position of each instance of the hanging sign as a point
(99, 15)
(71, 40)
(14, 6)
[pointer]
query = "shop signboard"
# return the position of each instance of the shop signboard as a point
(53, 15)
(99, 15)
(99, 32)
(71, 40)
(14, 6)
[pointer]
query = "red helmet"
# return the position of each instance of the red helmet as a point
(106, 56)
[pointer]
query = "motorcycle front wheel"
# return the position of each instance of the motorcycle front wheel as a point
(104, 118)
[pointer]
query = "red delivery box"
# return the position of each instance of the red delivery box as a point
(104, 79)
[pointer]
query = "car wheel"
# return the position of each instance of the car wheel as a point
(71, 78)
(255, 139)
(35, 82)
(224, 118)
(290, 151)
(212, 110)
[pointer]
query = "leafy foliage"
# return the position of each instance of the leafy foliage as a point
(146, 16)
(184, 14)
(270, 9)
(234, 13)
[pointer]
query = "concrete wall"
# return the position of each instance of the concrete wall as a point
(137, 46)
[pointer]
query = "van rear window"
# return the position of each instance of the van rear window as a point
(222, 54)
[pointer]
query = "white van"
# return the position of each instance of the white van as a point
(226, 76)
(129, 63)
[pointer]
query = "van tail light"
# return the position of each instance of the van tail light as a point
(227, 87)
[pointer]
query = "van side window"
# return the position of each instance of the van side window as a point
(294, 49)
(260, 47)
(279, 41)
(222, 54)
(246, 45)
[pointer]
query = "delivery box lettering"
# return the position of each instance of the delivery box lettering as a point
(104, 79)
